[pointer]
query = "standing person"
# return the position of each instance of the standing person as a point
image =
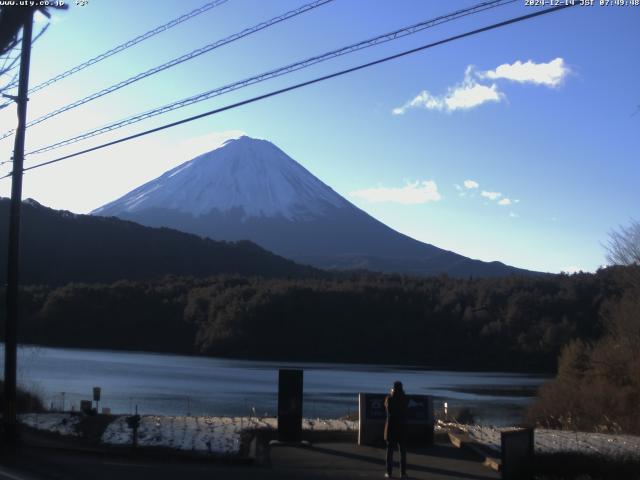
(395, 428)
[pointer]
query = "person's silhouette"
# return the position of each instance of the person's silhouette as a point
(395, 428)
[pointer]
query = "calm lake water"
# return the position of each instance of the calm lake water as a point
(179, 385)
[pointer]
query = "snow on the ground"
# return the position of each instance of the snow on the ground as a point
(329, 425)
(62, 423)
(198, 434)
(553, 441)
(216, 435)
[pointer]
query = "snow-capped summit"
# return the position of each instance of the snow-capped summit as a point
(249, 189)
(245, 173)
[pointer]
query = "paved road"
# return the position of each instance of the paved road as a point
(349, 461)
(325, 460)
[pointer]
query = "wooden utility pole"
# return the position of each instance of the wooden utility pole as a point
(10, 420)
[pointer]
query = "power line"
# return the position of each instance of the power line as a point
(303, 84)
(4, 63)
(177, 61)
(277, 73)
(14, 64)
(11, 83)
(5, 71)
(127, 44)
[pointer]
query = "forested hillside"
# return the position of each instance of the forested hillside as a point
(515, 323)
(59, 247)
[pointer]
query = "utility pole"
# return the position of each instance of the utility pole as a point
(10, 420)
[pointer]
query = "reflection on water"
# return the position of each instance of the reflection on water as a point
(178, 385)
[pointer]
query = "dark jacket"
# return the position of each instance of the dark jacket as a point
(395, 428)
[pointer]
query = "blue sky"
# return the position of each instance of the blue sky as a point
(541, 112)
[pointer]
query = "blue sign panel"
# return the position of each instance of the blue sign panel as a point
(418, 408)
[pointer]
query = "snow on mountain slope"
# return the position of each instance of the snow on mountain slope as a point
(246, 173)
(249, 189)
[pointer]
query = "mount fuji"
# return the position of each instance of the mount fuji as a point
(249, 189)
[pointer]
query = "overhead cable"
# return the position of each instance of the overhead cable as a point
(387, 37)
(127, 44)
(176, 61)
(302, 84)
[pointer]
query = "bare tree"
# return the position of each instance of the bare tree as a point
(11, 22)
(623, 247)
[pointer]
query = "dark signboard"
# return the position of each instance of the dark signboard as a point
(517, 453)
(290, 405)
(373, 414)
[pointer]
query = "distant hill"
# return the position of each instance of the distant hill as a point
(250, 189)
(60, 247)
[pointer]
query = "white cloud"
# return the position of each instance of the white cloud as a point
(470, 96)
(458, 187)
(513, 215)
(550, 74)
(471, 184)
(505, 201)
(469, 93)
(463, 96)
(491, 195)
(412, 193)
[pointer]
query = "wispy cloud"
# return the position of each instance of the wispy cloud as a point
(550, 74)
(464, 96)
(470, 93)
(410, 194)
(491, 195)
(470, 186)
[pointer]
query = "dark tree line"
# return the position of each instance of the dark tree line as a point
(511, 323)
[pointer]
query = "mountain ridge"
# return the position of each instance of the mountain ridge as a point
(250, 189)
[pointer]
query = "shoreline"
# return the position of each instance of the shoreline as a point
(233, 436)
(195, 435)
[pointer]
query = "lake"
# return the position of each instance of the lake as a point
(178, 385)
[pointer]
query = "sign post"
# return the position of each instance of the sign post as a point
(96, 397)
(290, 405)
(10, 417)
